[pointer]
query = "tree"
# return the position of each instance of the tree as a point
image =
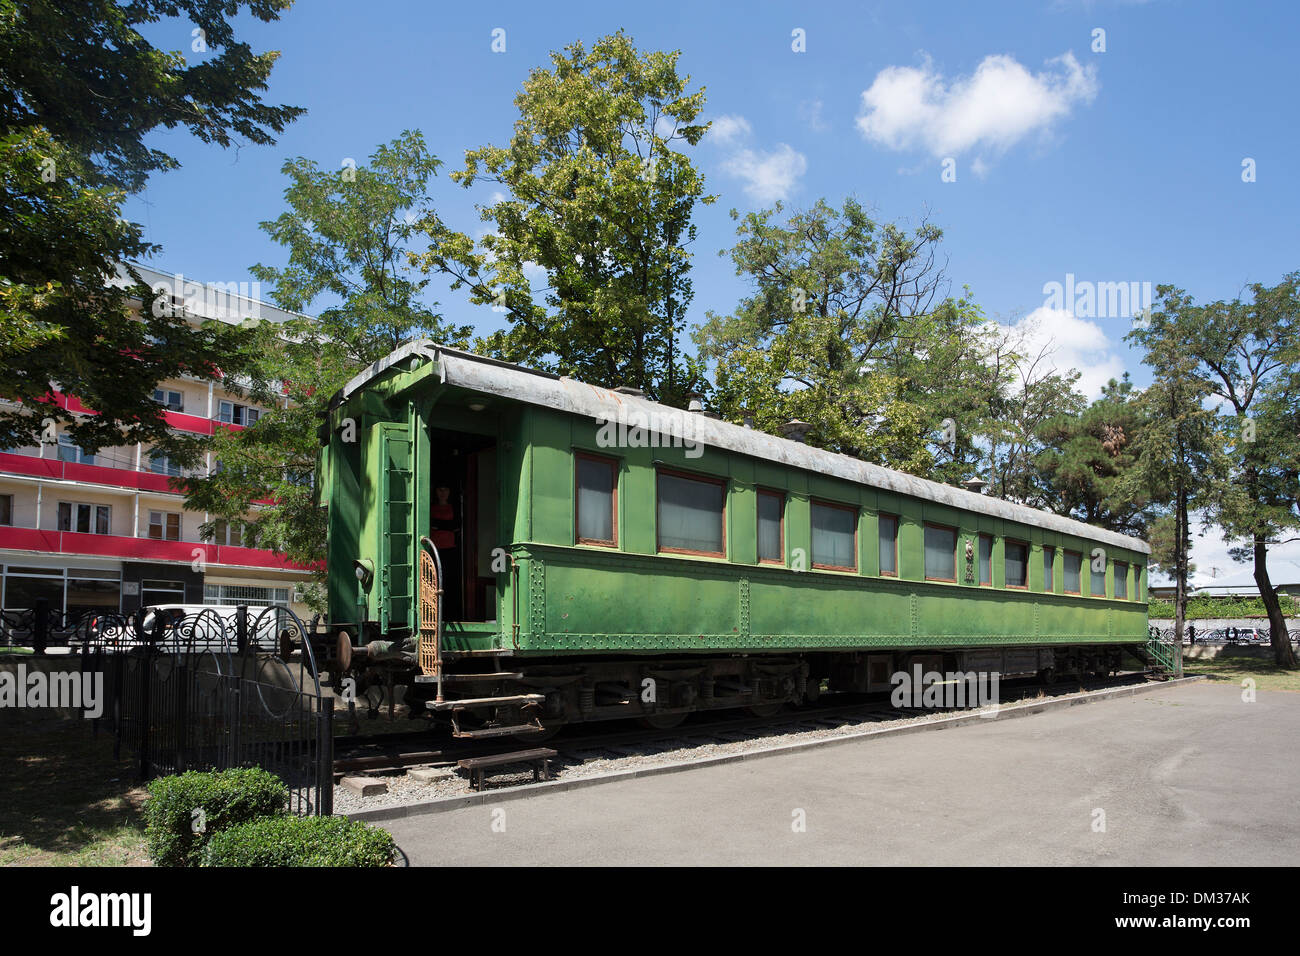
(1174, 446)
(841, 320)
(348, 236)
(599, 202)
(1086, 460)
(80, 90)
(1247, 354)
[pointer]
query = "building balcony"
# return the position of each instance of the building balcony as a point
(53, 468)
(194, 424)
(142, 549)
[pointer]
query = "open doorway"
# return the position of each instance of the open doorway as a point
(463, 521)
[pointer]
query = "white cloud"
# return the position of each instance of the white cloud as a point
(993, 108)
(726, 130)
(1073, 343)
(810, 111)
(767, 176)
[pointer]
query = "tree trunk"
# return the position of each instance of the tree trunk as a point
(1282, 652)
(1180, 564)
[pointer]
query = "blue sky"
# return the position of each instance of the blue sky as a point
(1115, 166)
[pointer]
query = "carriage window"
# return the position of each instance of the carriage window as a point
(1073, 566)
(690, 514)
(986, 560)
(1097, 582)
(834, 537)
(771, 546)
(889, 545)
(1049, 562)
(596, 500)
(1121, 581)
(940, 553)
(1016, 564)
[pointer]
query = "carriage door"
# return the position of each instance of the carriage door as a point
(396, 529)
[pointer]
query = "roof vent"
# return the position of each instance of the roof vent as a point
(746, 418)
(976, 485)
(695, 402)
(629, 390)
(795, 429)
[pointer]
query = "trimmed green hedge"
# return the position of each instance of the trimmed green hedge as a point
(227, 798)
(1210, 607)
(301, 841)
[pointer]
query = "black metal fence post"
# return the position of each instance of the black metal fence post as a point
(41, 625)
(325, 757)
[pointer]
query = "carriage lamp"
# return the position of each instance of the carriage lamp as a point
(365, 569)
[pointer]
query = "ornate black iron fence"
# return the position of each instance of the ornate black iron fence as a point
(215, 690)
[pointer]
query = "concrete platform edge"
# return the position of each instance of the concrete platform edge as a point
(443, 804)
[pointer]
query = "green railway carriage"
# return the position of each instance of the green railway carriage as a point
(526, 550)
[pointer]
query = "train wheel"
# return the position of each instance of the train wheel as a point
(765, 710)
(661, 721)
(1047, 675)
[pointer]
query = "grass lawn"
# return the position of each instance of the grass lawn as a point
(66, 801)
(1267, 675)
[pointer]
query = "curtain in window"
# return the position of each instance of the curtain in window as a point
(832, 536)
(1073, 563)
(769, 528)
(888, 544)
(595, 500)
(1097, 582)
(1049, 560)
(1017, 564)
(940, 553)
(1121, 580)
(690, 514)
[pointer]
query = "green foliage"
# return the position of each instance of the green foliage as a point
(301, 841)
(844, 328)
(80, 90)
(599, 195)
(346, 232)
(226, 799)
(1087, 459)
(1202, 608)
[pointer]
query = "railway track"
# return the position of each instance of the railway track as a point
(387, 753)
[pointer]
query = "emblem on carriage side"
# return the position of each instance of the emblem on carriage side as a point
(970, 561)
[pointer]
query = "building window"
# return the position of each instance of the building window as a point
(940, 553)
(986, 560)
(174, 401)
(165, 525)
(689, 512)
(1097, 581)
(154, 593)
(73, 453)
(226, 533)
(595, 500)
(1121, 581)
(834, 537)
(84, 518)
(232, 413)
(1049, 568)
(1073, 572)
(160, 464)
(6, 510)
(1015, 564)
(237, 594)
(889, 545)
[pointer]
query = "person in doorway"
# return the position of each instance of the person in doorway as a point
(444, 530)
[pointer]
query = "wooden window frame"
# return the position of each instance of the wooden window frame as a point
(897, 524)
(780, 496)
(166, 516)
(979, 539)
(857, 515)
(1049, 549)
(956, 539)
(1079, 554)
(613, 463)
(692, 476)
(1028, 552)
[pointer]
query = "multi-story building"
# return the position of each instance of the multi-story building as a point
(108, 532)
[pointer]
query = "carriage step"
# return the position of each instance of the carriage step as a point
(468, 678)
(483, 733)
(468, 702)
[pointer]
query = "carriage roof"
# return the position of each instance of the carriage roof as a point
(490, 376)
